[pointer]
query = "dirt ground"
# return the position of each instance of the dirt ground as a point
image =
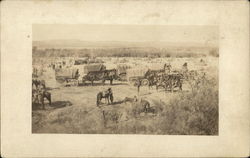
(83, 98)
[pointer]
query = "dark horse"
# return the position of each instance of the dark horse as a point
(153, 75)
(39, 92)
(38, 97)
(37, 82)
(109, 75)
(170, 82)
(108, 95)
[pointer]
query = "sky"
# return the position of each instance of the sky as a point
(205, 35)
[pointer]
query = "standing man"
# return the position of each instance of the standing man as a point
(138, 84)
(184, 67)
(167, 68)
(111, 97)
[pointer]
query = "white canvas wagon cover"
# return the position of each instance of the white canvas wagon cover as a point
(93, 67)
(66, 72)
(122, 68)
(136, 72)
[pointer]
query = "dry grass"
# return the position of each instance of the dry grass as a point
(180, 113)
(194, 113)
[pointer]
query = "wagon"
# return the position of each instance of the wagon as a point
(96, 72)
(122, 71)
(67, 76)
(101, 76)
(135, 75)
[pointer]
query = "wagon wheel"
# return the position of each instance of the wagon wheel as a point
(83, 81)
(76, 82)
(100, 75)
(122, 77)
(60, 80)
(144, 82)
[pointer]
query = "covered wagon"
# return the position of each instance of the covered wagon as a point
(93, 67)
(98, 72)
(86, 68)
(122, 71)
(80, 62)
(67, 75)
(135, 74)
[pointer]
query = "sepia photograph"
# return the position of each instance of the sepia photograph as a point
(125, 79)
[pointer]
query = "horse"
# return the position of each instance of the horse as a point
(170, 82)
(108, 95)
(109, 75)
(36, 83)
(38, 97)
(145, 105)
(152, 76)
(175, 81)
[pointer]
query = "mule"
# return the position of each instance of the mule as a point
(108, 95)
(170, 82)
(38, 97)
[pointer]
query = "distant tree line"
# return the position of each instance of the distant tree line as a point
(125, 52)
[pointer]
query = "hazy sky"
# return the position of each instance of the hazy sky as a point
(131, 33)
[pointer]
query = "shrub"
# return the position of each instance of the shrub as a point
(195, 113)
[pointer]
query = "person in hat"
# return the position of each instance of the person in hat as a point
(184, 67)
(167, 68)
(111, 97)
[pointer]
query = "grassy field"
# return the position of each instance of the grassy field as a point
(193, 111)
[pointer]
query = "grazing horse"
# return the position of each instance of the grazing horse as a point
(108, 95)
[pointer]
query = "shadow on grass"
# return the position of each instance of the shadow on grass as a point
(54, 105)
(101, 104)
(36, 106)
(60, 104)
(100, 84)
(117, 102)
(49, 88)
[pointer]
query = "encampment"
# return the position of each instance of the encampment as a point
(66, 73)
